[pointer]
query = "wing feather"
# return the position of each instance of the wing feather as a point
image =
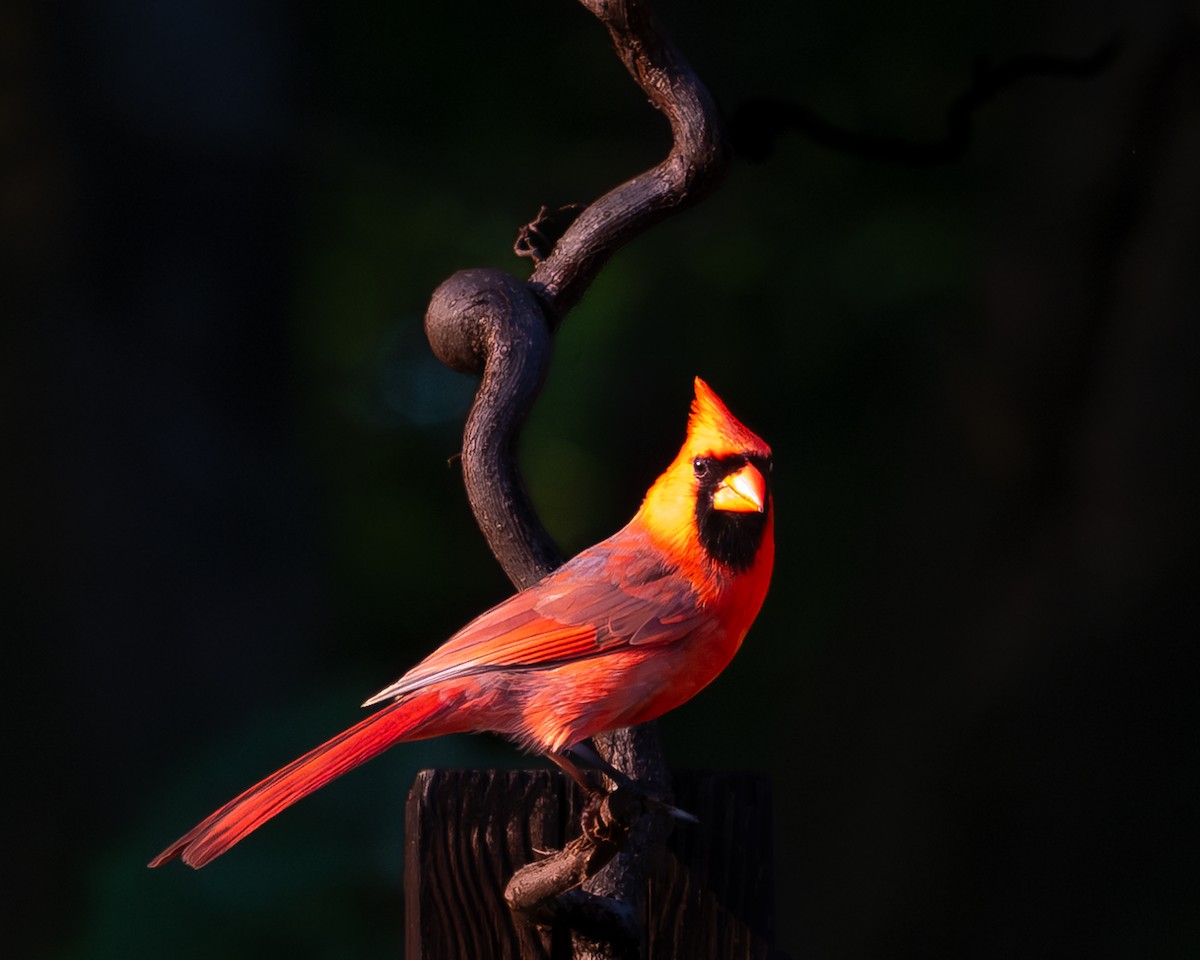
(607, 597)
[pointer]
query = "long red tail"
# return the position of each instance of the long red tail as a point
(409, 719)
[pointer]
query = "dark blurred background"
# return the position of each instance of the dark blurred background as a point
(230, 515)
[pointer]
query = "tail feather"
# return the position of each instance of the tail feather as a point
(410, 719)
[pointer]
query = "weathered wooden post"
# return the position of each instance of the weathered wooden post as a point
(706, 892)
(708, 889)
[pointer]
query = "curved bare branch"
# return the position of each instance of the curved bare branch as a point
(489, 323)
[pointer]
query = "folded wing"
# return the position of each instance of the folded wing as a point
(607, 597)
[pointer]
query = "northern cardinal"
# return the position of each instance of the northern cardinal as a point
(622, 633)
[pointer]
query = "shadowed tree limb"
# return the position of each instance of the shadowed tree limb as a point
(757, 124)
(694, 165)
(489, 323)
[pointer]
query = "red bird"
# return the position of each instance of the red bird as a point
(624, 632)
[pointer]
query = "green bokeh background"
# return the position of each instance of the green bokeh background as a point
(236, 514)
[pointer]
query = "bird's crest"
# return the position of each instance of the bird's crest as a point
(713, 430)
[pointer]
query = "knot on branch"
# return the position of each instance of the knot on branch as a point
(537, 238)
(481, 312)
(489, 323)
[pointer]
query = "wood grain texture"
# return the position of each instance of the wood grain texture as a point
(466, 832)
(710, 894)
(708, 890)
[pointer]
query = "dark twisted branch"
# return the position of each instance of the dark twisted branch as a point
(757, 124)
(690, 170)
(489, 323)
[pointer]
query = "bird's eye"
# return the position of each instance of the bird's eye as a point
(700, 468)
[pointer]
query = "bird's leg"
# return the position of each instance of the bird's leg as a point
(590, 820)
(585, 752)
(573, 771)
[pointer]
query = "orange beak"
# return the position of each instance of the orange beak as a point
(742, 492)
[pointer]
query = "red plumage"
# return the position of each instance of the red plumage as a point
(619, 635)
